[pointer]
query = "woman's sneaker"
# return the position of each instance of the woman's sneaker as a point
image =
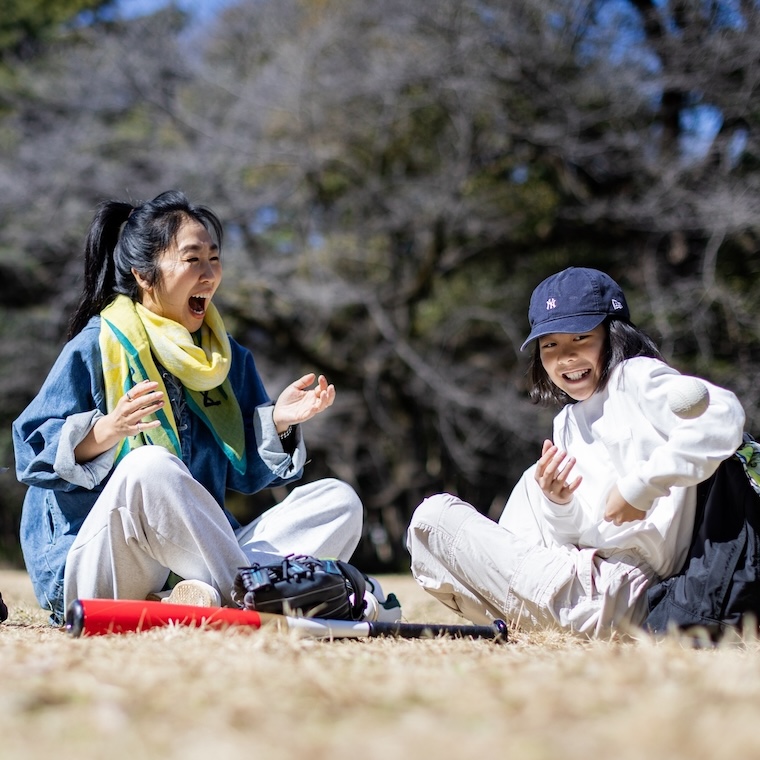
(195, 593)
(385, 609)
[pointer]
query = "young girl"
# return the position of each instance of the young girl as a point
(149, 415)
(609, 506)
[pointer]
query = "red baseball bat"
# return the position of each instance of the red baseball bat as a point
(94, 617)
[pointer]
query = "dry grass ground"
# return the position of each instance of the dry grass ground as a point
(185, 693)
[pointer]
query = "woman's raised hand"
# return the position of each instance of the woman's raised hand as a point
(301, 400)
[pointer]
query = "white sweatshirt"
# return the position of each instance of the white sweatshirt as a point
(627, 435)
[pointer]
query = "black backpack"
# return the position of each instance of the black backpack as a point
(719, 584)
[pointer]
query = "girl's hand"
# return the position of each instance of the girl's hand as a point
(298, 402)
(553, 474)
(619, 511)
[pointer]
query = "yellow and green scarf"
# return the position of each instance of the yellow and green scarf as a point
(131, 335)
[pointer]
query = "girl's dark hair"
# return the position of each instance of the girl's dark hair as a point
(624, 341)
(123, 236)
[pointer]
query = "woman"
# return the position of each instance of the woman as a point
(149, 415)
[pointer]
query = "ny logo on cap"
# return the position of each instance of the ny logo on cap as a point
(551, 304)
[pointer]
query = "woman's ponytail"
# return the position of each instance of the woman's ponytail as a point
(99, 279)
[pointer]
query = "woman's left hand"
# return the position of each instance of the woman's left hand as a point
(300, 402)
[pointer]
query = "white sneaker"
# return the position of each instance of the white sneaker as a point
(378, 606)
(195, 593)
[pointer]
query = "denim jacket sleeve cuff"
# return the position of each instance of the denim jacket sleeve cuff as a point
(282, 464)
(87, 474)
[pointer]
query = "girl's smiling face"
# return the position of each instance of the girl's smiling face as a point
(574, 362)
(191, 270)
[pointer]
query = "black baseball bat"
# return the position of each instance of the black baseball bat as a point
(496, 631)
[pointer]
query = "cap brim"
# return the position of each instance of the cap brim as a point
(575, 324)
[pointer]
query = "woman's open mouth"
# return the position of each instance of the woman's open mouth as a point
(198, 305)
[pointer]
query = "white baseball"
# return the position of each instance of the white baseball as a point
(688, 398)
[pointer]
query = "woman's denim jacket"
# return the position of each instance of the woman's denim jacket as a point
(62, 492)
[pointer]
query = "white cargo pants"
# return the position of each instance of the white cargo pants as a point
(485, 570)
(153, 517)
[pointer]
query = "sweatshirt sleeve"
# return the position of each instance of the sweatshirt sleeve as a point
(566, 521)
(690, 449)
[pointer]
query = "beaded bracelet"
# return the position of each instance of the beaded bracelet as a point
(286, 434)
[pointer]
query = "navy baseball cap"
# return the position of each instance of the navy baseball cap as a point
(575, 300)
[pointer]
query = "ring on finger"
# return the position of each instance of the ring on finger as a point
(128, 396)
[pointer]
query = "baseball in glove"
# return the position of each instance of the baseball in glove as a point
(302, 585)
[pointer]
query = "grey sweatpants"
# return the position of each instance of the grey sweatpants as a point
(153, 517)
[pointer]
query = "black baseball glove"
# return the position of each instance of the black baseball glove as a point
(304, 586)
